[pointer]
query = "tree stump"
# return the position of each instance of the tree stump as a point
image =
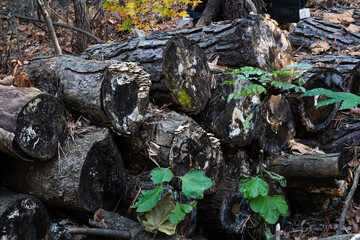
(108, 93)
(88, 175)
(177, 66)
(22, 216)
(33, 123)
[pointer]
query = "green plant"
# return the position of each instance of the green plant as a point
(162, 212)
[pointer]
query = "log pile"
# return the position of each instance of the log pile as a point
(78, 163)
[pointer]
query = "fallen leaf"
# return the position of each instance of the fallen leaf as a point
(22, 28)
(320, 46)
(336, 18)
(9, 80)
(302, 148)
(352, 28)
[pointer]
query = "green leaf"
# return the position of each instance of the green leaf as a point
(180, 211)
(160, 175)
(246, 124)
(327, 102)
(269, 207)
(254, 188)
(346, 104)
(236, 95)
(194, 183)
(231, 96)
(278, 178)
(158, 218)
(149, 199)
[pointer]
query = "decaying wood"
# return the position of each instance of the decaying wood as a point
(253, 41)
(310, 30)
(353, 79)
(309, 166)
(88, 175)
(108, 93)
(170, 139)
(32, 123)
(177, 66)
(22, 216)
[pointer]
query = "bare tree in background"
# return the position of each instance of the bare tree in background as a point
(81, 21)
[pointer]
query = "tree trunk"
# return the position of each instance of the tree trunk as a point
(353, 79)
(88, 175)
(33, 123)
(81, 21)
(310, 30)
(178, 68)
(173, 140)
(22, 217)
(107, 93)
(254, 41)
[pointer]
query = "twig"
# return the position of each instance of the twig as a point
(6, 12)
(347, 201)
(50, 26)
(17, 38)
(100, 232)
(97, 12)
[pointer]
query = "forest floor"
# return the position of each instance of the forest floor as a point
(33, 41)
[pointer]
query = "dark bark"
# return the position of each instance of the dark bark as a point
(58, 229)
(254, 41)
(88, 175)
(33, 123)
(82, 22)
(353, 79)
(278, 128)
(310, 30)
(110, 94)
(22, 217)
(176, 141)
(178, 68)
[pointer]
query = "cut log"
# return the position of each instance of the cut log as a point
(279, 126)
(310, 30)
(32, 123)
(173, 140)
(226, 119)
(22, 217)
(253, 41)
(309, 166)
(353, 79)
(177, 66)
(88, 175)
(108, 93)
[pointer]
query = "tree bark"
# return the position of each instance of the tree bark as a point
(88, 175)
(33, 123)
(310, 30)
(82, 22)
(178, 69)
(353, 79)
(22, 216)
(109, 94)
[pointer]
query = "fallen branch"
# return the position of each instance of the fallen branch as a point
(100, 232)
(30, 19)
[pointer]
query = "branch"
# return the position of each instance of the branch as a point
(17, 37)
(100, 232)
(6, 12)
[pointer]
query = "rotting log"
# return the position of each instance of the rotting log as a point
(108, 93)
(177, 66)
(88, 175)
(278, 128)
(253, 41)
(32, 123)
(173, 140)
(353, 79)
(22, 216)
(226, 119)
(329, 165)
(310, 30)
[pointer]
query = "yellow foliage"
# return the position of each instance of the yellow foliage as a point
(135, 12)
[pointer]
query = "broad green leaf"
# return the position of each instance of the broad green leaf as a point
(246, 124)
(180, 211)
(269, 207)
(158, 218)
(278, 178)
(149, 199)
(160, 175)
(194, 183)
(346, 104)
(327, 102)
(236, 95)
(254, 188)
(231, 96)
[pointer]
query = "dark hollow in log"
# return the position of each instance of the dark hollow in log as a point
(278, 124)
(88, 175)
(309, 166)
(310, 30)
(253, 41)
(32, 123)
(226, 119)
(58, 229)
(353, 80)
(22, 217)
(108, 93)
(176, 141)
(177, 66)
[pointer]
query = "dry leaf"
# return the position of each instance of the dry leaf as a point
(9, 80)
(352, 28)
(355, 111)
(22, 27)
(154, 151)
(320, 46)
(302, 148)
(336, 18)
